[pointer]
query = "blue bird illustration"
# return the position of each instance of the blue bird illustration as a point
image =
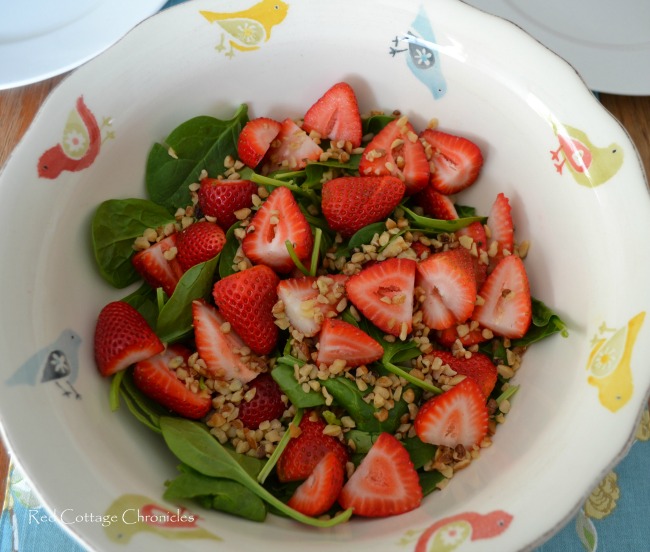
(423, 57)
(58, 363)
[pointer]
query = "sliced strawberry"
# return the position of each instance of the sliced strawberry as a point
(397, 151)
(255, 140)
(122, 338)
(456, 160)
(341, 340)
(279, 219)
(383, 293)
(421, 251)
(479, 367)
(301, 305)
(502, 235)
(436, 205)
(221, 198)
(158, 264)
(447, 279)
(155, 379)
(351, 202)
(246, 300)
(385, 483)
(506, 306)
(199, 242)
(291, 149)
(336, 115)
(217, 347)
(478, 249)
(319, 491)
(266, 404)
(457, 417)
(448, 337)
(303, 453)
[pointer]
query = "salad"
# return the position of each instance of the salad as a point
(322, 329)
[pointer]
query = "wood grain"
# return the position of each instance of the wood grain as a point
(18, 107)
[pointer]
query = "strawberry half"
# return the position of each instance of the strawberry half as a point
(291, 149)
(436, 205)
(340, 340)
(221, 198)
(319, 491)
(397, 151)
(351, 202)
(385, 483)
(158, 264)
(478, 249)
(449, 285)
(383, 293)
(301, 305)
(266, 404)
(279, 219)
(156, 380)
(506, 306)
(199, 242)
(479, 367)
(303, 453)
(219, 349)
(122, 338)
(457, 417)
(456, 160)
(502, 234)
(336, 115)
(246, 300)
(255, 140)
(448, 337)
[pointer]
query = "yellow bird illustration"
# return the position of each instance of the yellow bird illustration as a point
(589, 165)
(609, 364)
(246, 30)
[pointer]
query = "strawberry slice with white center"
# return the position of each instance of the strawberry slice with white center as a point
(291, 149)
(218, 346)
(436, 205)
(383, 293)
(449, 285)
(301, 305)
(341, 340)
(158, 264)
(397, 151)
(456, 161)
(279, 219)
(385, 483)
(501, 239)
(255, 140)
(156, 380)
(505, 306)
(456, 417)
(336, 115)
(319, 491)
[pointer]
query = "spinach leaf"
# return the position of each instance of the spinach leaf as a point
(114, 227)
(363, 440)
(544, 324)
(144, 409)
(144, 300)
(465, 211)
(282, 373)
(201, 143)
(193, 445)
(175, 318)
(438, 225)
(227, 256)
(375, 123)
(420, 452)
(363, 236)
(429, 481)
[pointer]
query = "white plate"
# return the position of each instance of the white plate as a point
(40, 39)
(607, 42)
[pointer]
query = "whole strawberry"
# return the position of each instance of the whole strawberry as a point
(351, 202)
(266, 404)
(221, 198)
(246, 300)
(198, 243)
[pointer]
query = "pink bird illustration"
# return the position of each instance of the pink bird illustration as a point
(449, 533)
(79, 146)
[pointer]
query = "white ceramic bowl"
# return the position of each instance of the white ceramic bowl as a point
(579, 397)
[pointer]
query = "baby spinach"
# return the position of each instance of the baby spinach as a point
(144, 300)
(429, 481)
(545, 322)
(193, 445)
(227, 257)
(115, 225)
(419, 222)
(145, 410)
(201, 143)
(282, 373)
(363, 236)
(375, 123)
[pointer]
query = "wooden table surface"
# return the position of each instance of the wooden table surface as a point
(18, 107)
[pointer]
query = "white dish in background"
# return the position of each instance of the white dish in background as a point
(607, 42)
(40, 39)
(579, 398)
